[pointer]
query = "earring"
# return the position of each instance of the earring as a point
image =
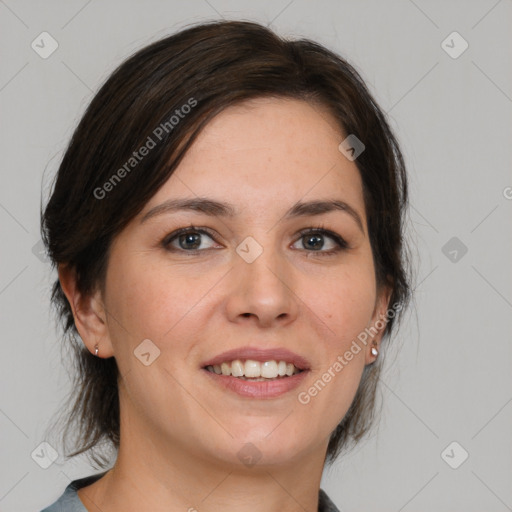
(96, 349)
(375, 352)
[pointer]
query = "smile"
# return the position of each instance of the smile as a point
(251, 369)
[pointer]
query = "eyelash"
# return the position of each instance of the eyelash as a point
(317, 230)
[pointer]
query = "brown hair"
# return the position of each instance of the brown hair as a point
(208, 67)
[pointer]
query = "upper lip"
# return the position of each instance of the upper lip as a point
(261, 355)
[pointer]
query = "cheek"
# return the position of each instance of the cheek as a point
(139, 300)
(155, 300)
(347, 303)
(346, 306)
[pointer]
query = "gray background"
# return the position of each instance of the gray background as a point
(450, 381)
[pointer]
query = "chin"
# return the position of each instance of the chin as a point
(269, 449)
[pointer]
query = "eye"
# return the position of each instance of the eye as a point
(313, 240)
(189, 239)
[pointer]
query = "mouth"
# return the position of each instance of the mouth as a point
(254, 371)
(257, 373)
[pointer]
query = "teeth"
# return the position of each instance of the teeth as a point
(237, 368)
(225, 368)
(251, 369)
(269, 369)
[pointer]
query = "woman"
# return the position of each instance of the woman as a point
(227, 224)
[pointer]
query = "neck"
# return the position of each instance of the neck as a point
(158, 475)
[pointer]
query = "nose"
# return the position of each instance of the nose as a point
(262, 291)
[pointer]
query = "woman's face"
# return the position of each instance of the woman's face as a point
(245, 280)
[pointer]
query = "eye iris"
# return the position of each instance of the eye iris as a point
(193, 238)
(317, 241)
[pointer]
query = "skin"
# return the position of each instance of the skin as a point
(180, 434)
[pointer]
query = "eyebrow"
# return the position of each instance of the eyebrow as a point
(217, 209)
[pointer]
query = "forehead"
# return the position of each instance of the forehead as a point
(267, 153)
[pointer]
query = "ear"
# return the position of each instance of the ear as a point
(378, 322)
(89, 313)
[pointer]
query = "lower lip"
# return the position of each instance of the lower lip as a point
(259, 389)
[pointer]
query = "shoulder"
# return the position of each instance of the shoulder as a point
(69, 500)
(324, 503)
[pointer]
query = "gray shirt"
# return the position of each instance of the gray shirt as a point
(70, 502)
